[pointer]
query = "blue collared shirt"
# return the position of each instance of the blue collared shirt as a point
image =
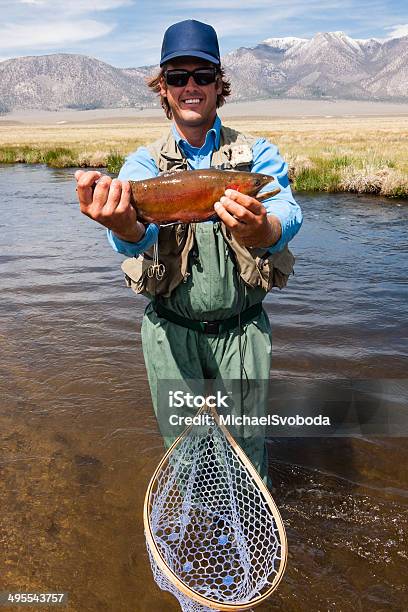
(266, 159)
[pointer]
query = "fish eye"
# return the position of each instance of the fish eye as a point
(257, 182)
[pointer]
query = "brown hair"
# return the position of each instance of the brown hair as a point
(154, 84)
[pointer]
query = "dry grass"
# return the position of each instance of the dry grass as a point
(365, 155)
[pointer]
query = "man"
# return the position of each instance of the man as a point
(205, 320)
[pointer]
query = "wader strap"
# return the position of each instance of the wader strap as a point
(211, 328)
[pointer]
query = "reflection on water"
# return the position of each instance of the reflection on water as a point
(79, 442)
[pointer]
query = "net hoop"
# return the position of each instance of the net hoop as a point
(155, 551)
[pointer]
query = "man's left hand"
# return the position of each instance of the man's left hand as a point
(247, 219)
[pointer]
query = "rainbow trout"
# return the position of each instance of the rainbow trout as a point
(189, 195)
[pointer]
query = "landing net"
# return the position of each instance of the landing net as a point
(214, 535)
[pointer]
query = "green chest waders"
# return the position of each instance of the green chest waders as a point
(173, 352)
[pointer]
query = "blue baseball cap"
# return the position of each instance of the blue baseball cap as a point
(190, 38)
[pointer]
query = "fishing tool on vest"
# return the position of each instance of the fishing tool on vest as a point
(214, 535)
(156, 270)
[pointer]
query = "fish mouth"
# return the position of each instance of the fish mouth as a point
(266, 179)
(261, 181)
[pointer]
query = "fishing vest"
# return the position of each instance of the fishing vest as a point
(256, 266)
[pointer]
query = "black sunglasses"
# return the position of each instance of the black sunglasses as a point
(179, 77)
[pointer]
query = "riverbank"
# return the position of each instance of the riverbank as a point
(357, 154)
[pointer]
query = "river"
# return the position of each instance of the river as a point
(78, 442)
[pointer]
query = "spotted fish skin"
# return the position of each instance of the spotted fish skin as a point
(189, 196)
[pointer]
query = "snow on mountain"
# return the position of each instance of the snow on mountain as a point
(284, 43)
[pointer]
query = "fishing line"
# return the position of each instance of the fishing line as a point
(242, 349)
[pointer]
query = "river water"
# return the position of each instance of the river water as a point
(78, 442)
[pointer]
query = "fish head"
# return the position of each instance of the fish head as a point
(249, 183)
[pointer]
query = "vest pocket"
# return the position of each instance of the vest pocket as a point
(135, 269)
(275, 269)
(138, 277)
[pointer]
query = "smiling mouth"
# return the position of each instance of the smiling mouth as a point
(191, 101)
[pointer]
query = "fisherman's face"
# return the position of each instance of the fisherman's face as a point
(192, 105)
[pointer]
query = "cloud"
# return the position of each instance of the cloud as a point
(238, 5)
(49, 35)
(251, 22)
(78, 7)
(43, 25)
(129, 32)
(265, 8)
(398, 31)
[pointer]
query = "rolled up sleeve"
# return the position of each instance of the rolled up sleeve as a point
(267, 160)
(133, 249)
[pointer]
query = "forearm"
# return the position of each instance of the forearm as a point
(133, 234)
(276, 230)
(282, 206)
(270, 234)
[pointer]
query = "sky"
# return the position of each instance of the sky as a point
(128, 33)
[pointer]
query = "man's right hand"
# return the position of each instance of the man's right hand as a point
(107, 201)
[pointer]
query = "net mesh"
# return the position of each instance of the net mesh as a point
(211, 523)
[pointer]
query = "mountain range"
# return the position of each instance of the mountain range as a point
(329, 65)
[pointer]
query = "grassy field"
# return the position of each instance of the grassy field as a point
(356, 154)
